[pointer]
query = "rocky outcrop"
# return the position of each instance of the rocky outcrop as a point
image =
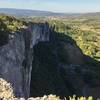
(16, 57)
(6, 91)
(45, 97)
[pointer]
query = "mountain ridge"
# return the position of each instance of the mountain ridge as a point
(28, 12)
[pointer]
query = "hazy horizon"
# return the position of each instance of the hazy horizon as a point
(59, 6)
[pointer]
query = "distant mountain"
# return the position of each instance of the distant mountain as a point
(91, 15)
(24, 12)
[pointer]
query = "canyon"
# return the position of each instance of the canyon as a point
(38, 61)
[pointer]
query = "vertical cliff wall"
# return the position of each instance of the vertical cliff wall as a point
(16, 57)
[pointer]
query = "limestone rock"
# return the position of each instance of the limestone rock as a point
(16, 57)
(6, 91)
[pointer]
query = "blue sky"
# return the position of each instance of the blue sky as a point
(54, 5)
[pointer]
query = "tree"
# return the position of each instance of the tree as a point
(4, 34)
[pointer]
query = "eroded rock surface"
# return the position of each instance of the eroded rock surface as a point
(6, 91)
(16, 57)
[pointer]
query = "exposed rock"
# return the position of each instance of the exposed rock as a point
(16, 57)
(6, 91)
(45, 97)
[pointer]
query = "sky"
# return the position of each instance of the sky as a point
(68, 6)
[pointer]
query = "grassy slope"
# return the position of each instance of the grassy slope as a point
(85, 31)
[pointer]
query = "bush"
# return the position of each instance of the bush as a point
(4, 34)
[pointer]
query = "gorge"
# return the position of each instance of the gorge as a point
(38, 61)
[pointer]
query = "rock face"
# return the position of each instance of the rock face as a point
(6, 93)
(16, 57)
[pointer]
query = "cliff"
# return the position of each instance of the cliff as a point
(16, 57)
(38, 61)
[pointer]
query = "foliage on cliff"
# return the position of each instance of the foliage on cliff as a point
(83, 31)
(8, 25)
(12, 24)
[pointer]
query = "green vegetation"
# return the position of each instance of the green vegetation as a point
(83, 31)
(3, 33)
(8, 25)
(12, 23)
